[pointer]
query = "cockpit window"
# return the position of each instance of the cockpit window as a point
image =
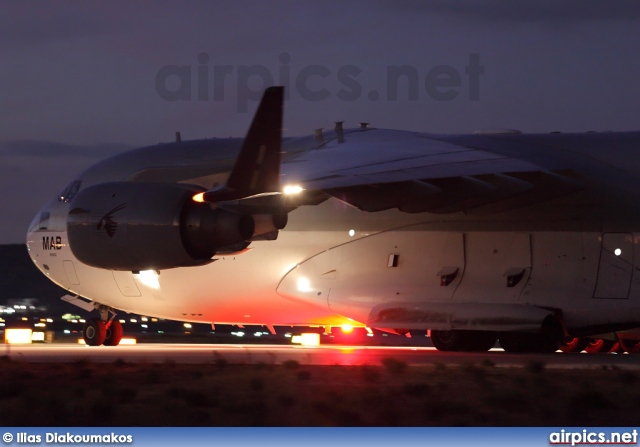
(43, 224)
(70, 191)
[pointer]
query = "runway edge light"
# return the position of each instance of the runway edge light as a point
(307, 339)
(17, 336)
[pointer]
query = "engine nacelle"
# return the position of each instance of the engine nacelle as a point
(150, 226)
(268, 223)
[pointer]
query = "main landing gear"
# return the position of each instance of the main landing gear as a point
(599, 345)
(463, 340)
(547, 339)
(104, 330)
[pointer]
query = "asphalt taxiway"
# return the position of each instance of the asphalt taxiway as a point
(320, 355)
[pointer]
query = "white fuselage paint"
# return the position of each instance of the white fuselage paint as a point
(326, 277)
(330, 264)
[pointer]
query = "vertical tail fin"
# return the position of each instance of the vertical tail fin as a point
(257, 168)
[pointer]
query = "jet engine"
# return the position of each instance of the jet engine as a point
(151, 226)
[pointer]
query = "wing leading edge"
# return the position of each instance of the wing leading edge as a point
(376, 170)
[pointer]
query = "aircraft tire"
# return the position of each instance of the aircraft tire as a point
(521, 342)
(480, 341)
(598, 345)
(94, 332)
(463, 340)
(114, 334)
(617, 348)
(575, 344)
(630, 346)
(516, 342)
(446, 340)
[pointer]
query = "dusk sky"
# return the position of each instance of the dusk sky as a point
(82, 80)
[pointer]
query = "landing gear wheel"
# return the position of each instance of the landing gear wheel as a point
(630, 346)
(94, 332)
(597, 345)
(521, 342)
(617, 349)
(480, 341)
(517, 341)
(446, 340)
(574, 344)
(463, 340)
(114, 334)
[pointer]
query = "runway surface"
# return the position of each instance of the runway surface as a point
(322, 355)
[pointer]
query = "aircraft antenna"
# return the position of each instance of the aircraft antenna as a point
(339, 131)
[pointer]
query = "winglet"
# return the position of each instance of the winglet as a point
(257, 168)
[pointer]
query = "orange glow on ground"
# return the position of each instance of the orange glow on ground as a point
(347, 350)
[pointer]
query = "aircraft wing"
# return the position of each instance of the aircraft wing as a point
(375, 170)
(378, 169)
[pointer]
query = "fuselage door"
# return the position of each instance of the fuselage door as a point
(497, 267)
(616, 266)
(126, 283)
(70, 271)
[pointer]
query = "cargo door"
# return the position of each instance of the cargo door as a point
(497, 267)
(615, 269)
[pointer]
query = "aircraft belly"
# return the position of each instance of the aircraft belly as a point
(453, 316)
(413, 276)
(416, 278)
(233, 289)
(126, 283)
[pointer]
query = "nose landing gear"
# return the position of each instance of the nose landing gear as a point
(94, 332)
(104, 330)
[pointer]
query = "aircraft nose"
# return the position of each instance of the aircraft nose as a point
(47, 224)
(46, 240)
(43, 221)
(40, 222)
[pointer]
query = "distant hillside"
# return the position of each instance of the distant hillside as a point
(19, 278)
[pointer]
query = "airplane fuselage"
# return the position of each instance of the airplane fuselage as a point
(490, 264)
